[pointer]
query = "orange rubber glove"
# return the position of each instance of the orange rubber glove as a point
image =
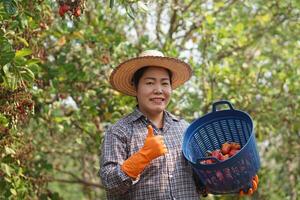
(153, 147)
(253, 189)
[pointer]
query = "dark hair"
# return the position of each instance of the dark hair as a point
(139, 73)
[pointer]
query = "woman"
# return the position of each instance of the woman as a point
(141, 154)
(146, 163)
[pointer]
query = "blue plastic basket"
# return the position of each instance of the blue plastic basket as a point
(209, 133)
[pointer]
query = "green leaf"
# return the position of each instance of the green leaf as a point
(27, 74)
(210, 19)
(111, 3)
(1, 78)
(239, 28)
(35, 68)
(6, 169)
(23, 41)
(23, 52)
(130, 11)
(6, 52)
(47, 166)
(29, 13)
(9, 150)
(79, 140)
(13, 191)
(142, 7)
(7, 179)
(32, 61)
(10, 7)
(3, 120)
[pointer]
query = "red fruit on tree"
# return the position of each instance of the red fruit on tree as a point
(63, 9)
(43, 25)
(77, 12)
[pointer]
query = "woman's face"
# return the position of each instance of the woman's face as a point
(154, 90)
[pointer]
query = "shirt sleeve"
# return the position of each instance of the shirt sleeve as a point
(113, 153)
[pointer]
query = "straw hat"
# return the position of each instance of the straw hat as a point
(121, 77)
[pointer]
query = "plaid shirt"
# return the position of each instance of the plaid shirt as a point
(167, 177)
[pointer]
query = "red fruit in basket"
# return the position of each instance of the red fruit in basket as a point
(225, 148)
(209, 161)
(221, 156)
(233, 152)
(235, 145)
(217, 154)
(224, 157)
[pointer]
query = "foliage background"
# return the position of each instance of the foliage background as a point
(56, 101)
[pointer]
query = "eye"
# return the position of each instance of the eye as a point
(166, 83)
(149, 83)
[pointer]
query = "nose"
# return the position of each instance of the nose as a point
(158, 90)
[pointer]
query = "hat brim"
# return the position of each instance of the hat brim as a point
(121, 77)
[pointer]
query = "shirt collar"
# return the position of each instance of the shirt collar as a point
(136, 114)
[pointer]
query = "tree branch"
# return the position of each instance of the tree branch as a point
(258, 36)
(173, 23)
(75, 180)
(173, 20)
(187, 6)
(198, 24)
(80, 181)
(69, 173)
(159, 10)
(52, 179)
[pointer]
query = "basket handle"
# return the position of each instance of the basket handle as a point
(208, 158)
(214, 106)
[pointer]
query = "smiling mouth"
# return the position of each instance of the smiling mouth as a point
(157, 100)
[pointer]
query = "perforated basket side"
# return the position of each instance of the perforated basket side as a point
(209, 133)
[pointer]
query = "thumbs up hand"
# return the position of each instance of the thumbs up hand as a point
(154, 145)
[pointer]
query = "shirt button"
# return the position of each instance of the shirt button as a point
(171, 176)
